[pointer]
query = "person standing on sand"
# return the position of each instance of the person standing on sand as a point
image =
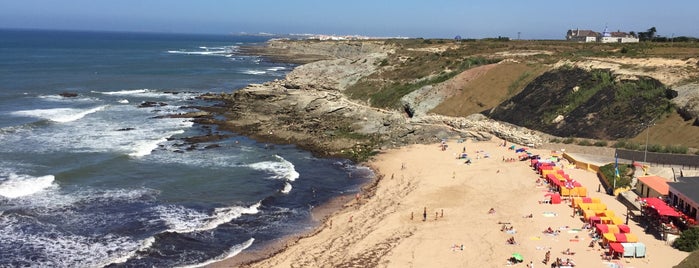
(424, 214)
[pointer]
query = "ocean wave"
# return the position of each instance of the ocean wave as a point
(287, 188)
(53, 248)
(254, 72)
(145, 147)
(281, 170)
(185, 220)
(60, 115)
(15, 185)
(59, 98)
(234, 250)
(147, 93)
(276, 69)
(146, 243)
(207, 51)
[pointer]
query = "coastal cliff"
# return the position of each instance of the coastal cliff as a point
(354, 98)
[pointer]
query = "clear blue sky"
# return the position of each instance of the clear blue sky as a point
(543, 19)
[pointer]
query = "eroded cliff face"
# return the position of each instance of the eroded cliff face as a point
(308, 108)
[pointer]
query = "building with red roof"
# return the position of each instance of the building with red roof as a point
(652, 186)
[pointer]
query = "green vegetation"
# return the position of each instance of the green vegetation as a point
(411, 76)
(569, 140)
(601, 79)
(364, 148)
(609, 174)
(517, 85)
(584, 142)
(688, 240)
(601, 144)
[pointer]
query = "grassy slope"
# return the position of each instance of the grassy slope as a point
(498, 84)
(672, 130)
(414, 61)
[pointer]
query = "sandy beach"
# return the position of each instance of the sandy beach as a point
(388, 227)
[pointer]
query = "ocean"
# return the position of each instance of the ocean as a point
(91, 177)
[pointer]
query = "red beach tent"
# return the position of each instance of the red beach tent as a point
(616, 248)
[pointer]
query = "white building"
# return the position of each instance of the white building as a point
(589, 36)
(584, 36)
(617, 37)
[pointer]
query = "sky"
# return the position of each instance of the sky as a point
(526, 19)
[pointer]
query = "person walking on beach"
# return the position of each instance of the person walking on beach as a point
(424, 214)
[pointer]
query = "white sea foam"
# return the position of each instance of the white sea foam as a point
(126, 92)
(61, 115)
(145, 147)
(226, 214)
(207, 51)
(146, 93)
(234, 250)
(15, 185)
(254, 72)
(123, 101)
(146, 243)
(59, 98)
(281, 170)
(276, 69)
(58, 249)
(287, 188)
(185, 220)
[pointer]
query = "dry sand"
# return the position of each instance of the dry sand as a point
(386, 228)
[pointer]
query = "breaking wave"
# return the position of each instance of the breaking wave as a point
(60, 115)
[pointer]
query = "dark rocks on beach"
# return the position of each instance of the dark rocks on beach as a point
(126, 129)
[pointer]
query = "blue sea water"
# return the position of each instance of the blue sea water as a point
(97, 180)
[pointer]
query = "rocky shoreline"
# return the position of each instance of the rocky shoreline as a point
(308, 108)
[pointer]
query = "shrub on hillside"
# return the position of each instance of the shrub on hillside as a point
(656, 148)
(555, 140)
(569, 140)
(620, 144)
(688, 240)
(632, 146)
(601, 143)
(676, 149)
(584, 143)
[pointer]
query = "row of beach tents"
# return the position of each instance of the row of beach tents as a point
(608, 226)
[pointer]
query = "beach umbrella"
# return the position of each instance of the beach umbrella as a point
(518, 256)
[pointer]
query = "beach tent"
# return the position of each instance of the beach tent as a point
(597, 207)
(616, 220)
(623, 238)
(609, 238)
(640, 249)
(555, 198)
(607, 228)
(623, 228)
(585, 200)
(616, 248)
(629, 249)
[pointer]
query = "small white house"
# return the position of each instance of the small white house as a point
(617, 37)
(584, 36)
